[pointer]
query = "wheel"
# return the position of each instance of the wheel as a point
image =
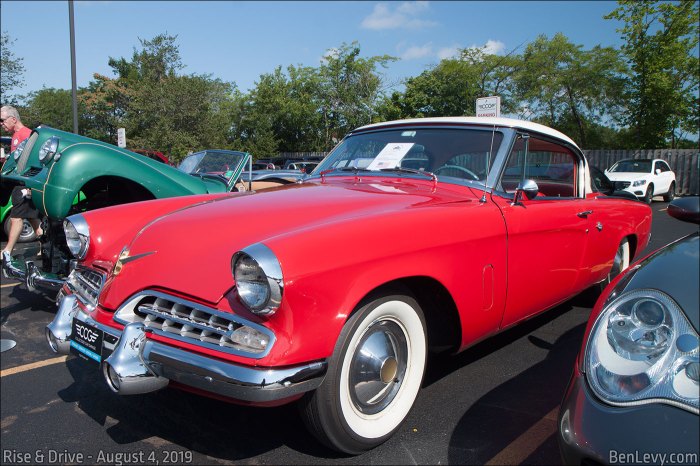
(671, 194)
(373, 378)
(649, 194)
(27, 234)
(620, 262)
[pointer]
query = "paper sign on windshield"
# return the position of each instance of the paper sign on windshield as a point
(391, 155)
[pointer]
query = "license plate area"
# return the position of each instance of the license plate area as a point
(90, 343)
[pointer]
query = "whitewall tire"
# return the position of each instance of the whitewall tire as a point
(373, 378)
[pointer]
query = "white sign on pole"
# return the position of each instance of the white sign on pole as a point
(488, 106)
(121, 137)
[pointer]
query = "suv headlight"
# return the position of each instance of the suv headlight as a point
(258, 277)
(77, 235)
(642, 349)
(639, 183)
(48, 149)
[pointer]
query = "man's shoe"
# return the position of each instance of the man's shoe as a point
(6, 259)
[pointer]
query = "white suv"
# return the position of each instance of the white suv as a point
(645, 178)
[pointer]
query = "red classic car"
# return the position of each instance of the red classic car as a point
(411, 236)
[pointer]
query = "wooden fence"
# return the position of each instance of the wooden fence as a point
(685, 163)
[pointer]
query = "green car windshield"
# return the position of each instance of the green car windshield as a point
(225, 163)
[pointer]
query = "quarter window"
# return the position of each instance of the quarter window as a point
(552, 166)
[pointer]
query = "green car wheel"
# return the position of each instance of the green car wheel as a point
(27, 233)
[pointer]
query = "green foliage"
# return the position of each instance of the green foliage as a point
(51, 107)
(661, 47)
(595, 96)
(11, 69)
(566, 87)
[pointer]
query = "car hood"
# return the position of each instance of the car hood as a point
(624, 176)
(661, 271)
(195, 244)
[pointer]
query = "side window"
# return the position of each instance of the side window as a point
(552, 166)
(663, 166)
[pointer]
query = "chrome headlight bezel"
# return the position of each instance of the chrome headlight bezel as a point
(639, 348)
(77, 235)
(259, 281)
(48, 149)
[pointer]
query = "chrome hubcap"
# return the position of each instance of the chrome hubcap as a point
(378, 367)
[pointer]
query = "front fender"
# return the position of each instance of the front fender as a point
(85, 161)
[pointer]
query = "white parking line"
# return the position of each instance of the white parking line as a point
(530, 440)
(34, 365)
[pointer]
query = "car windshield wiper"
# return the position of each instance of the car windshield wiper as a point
(413, 171)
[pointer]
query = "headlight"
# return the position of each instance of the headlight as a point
(643, 350)
(77, 235)
(18, 152)
(48, 149)
(258, 277)
(639, 183)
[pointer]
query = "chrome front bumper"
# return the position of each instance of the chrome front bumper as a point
(32, 276)
(140, 365)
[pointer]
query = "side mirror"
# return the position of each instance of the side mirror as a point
(528, 188)
(685, 209)
(657, 171)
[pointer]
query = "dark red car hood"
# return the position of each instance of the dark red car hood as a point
(192, 247)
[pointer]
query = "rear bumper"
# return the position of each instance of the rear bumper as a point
(140, 365)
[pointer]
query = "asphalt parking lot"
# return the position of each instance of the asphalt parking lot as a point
(496, 403)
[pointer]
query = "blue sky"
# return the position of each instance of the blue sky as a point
(239, 41)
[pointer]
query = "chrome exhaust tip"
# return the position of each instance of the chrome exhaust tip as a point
(125, 371)
(59, 330)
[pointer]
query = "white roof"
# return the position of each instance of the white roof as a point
(507, 122)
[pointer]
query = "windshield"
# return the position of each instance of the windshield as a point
(450, 153)
(213, 162)
(632, 166)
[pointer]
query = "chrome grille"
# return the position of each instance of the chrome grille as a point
(622, 184)
(86, 284)
(189, 322)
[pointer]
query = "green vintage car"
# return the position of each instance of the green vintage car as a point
(69, 173)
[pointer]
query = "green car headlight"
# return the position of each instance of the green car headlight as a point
(258, 277)
(642, 349)
(48, 149)
(18, 152)
(77, 235)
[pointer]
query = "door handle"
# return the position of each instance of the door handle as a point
(585, 213)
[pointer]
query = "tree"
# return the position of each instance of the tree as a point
(51, 107)
(351, 88)
(452, 87)
(661, 47)
(568, 88)
(11, 68)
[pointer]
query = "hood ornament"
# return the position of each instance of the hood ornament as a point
(125, 258)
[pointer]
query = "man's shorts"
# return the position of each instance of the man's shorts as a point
(21, 206)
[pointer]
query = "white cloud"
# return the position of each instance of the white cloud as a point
(494, 47)
(405, 16)
(415, 52)
(491, 47)
(449, 52)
